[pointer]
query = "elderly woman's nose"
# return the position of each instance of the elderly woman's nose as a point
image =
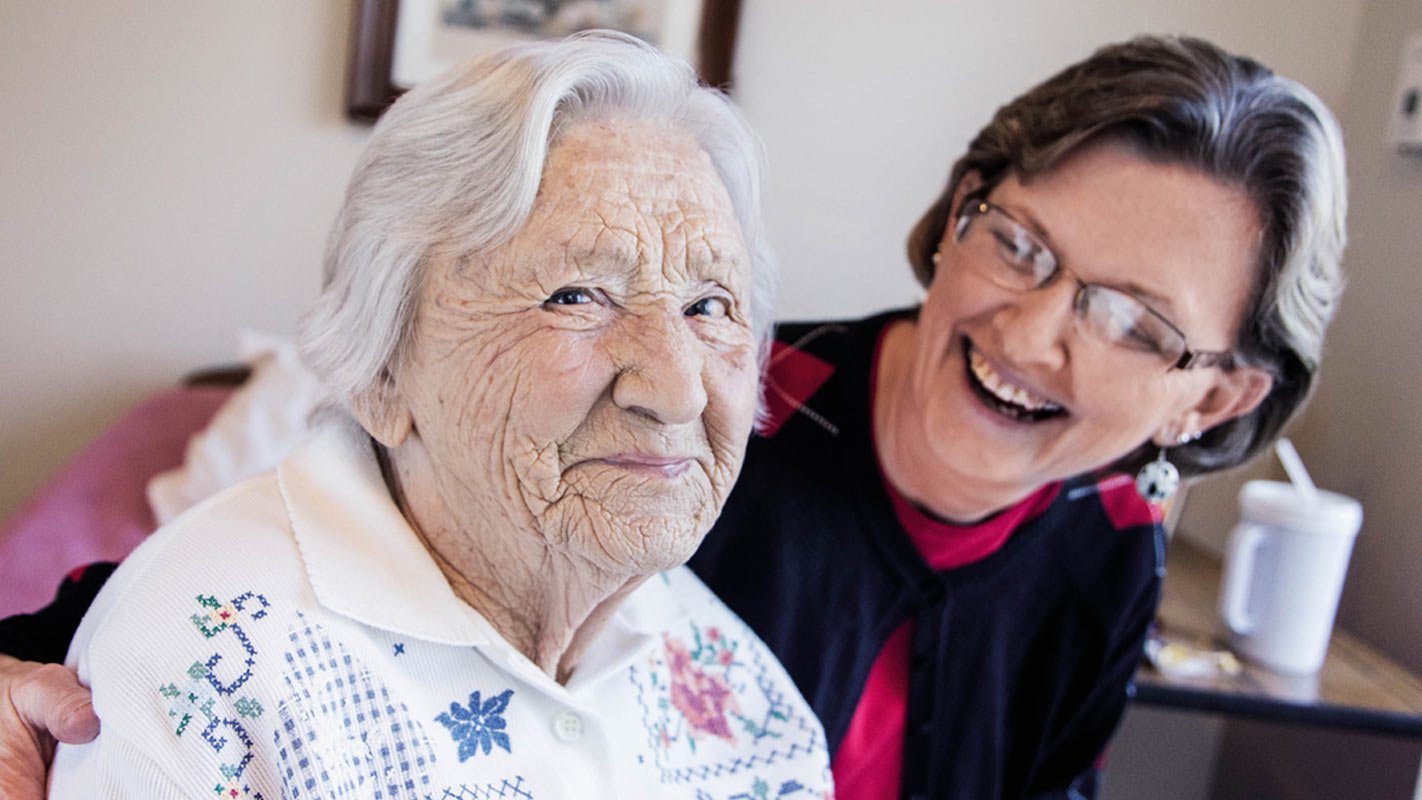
(1034, 326)
(660, 370)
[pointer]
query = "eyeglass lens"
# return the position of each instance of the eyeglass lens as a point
(1009, 254)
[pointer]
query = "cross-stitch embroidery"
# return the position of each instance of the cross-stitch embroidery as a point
(226, 616)
(703, 698)
(340, 731)
(761, 790)
(201, 690)
(232, 786)
(194, 696)
(708, 699)
(505, 788)
(197, 695)
(480, 725)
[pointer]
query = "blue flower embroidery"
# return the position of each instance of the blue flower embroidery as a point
(479, 726)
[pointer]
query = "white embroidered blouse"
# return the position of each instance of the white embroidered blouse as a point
(291, 637)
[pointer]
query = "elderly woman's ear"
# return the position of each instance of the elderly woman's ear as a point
(382, 412)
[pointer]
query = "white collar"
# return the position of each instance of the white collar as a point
(364, 561)
(362, 558)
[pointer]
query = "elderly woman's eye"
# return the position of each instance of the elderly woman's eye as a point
(709, 307)
(571, 296)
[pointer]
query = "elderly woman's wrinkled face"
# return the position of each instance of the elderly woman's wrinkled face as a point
(593, 380)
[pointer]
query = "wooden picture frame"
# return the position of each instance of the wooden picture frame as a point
(370, 83)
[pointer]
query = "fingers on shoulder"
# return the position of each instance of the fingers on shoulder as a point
(49, 696)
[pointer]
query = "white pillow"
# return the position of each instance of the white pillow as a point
(263, 421)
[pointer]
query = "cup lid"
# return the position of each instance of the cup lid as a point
(1280, 503)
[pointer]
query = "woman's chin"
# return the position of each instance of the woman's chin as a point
(648, 546)
(629, 539)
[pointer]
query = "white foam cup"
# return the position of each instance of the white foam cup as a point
(1283, 573)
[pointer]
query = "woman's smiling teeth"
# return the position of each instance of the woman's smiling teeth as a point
(1013, 400)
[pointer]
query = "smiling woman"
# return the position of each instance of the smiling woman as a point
(541, 323)
(514, 351)
(984, 362)
(1132, 266)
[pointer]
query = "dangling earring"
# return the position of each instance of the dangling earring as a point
(1158, 479)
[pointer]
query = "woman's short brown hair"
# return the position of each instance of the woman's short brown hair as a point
(1185, 101)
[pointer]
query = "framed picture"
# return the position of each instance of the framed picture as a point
(396, 44)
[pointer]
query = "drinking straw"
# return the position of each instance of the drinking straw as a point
(1293, 465)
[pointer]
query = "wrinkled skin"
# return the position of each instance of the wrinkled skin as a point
(1173, 236)
(570, 420)
(575, 404)
(38, 703)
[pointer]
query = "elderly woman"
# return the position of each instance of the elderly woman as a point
(937, 529)
(542, 307)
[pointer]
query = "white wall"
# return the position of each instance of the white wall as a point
(1362, 436)
(1364, 431)
(167, 173)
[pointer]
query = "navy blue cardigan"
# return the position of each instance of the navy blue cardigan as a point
(1020, 662)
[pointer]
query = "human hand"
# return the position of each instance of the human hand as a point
(38, 704)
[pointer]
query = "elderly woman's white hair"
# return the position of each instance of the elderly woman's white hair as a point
(454, 166)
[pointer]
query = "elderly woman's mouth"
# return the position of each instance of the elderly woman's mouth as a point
(1004, 396)
(647, 464)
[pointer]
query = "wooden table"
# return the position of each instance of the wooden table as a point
(1357, 689)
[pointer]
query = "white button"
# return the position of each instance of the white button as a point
(568, 727)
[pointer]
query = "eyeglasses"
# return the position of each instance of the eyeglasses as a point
(1009, 254)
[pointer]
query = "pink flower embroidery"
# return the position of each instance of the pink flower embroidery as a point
(702, 699)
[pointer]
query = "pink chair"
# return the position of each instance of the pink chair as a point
(95, 508)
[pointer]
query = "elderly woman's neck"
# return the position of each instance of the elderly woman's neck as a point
(548, 606)
(549, 610)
